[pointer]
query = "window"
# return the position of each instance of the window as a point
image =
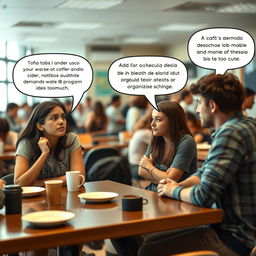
(10, 53)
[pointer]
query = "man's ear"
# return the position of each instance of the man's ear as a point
(40, 127)
(213, 106)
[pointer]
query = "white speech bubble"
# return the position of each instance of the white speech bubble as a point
(53, 75)
(221, 48)
(147, 75)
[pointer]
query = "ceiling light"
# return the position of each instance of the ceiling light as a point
(90, 4)
(182, 27)
(74, 25)
(239, 8)
(40, 39)
(140, 40)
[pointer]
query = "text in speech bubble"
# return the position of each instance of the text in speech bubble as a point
(221, 48)
(53, 75)
(148, 76)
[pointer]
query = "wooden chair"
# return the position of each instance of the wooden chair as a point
(197, 253)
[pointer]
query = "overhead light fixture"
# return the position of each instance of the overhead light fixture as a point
(182, 27)
(90, 4)
(75, 25)
(243, 7)
(35, 39)
(140, 40)
(239, 8)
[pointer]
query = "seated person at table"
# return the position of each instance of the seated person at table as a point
(46, 149)
(227, 177)
(172, 152)
(9, 138)
(97, 120)
(138, 144)
(2, 183)
(201, 135)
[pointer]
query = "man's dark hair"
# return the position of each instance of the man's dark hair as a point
(11, 106)
(184, 94)
(226, 90)
(115, 98)
(249, 92)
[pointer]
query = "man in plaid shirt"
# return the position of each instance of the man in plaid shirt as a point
(227, 180)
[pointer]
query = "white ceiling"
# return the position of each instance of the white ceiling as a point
(136, 18)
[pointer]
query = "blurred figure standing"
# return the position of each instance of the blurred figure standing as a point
(116, 122)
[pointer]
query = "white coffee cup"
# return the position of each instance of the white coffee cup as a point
(74, 180)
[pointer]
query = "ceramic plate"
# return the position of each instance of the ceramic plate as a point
(48, 218)
(98, 197)
(32, 191)
(203, 146)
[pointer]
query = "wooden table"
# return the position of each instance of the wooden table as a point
(7, 155)
(99, 221)
(106, 144)
(202, 154)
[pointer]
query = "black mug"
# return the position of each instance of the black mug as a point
(133, 202)
(13, 197)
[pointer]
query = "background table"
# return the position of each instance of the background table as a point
(99, 221)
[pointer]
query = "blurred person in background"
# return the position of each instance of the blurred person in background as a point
(79, 117)
(116, 121)
(248, 100)
(200, 134)
(186, 101)
(135, 111)
(9, 139)
(97, 120)
(13, 118)
(138, 144)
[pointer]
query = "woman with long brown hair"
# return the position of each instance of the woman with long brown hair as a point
(46, 149)
(172, 152)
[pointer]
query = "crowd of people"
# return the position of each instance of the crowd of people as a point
(162, 151)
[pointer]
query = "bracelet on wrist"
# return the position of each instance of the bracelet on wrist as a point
(176, 193)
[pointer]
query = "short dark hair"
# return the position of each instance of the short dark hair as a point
(226, 90)
(115, 98)
(11, 106)
(184, 94)
(249, 92)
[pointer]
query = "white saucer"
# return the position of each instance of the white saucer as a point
(48, 218)
(32, 191)
(98, 197)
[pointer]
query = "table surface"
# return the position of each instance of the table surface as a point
(7, 155)
(99, 221)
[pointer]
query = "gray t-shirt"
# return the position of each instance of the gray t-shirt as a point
(52, 167)
(185, 159)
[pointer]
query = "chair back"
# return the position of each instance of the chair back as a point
(96, 154)
(9, 179)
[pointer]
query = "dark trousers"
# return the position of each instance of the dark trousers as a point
(172, 242)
